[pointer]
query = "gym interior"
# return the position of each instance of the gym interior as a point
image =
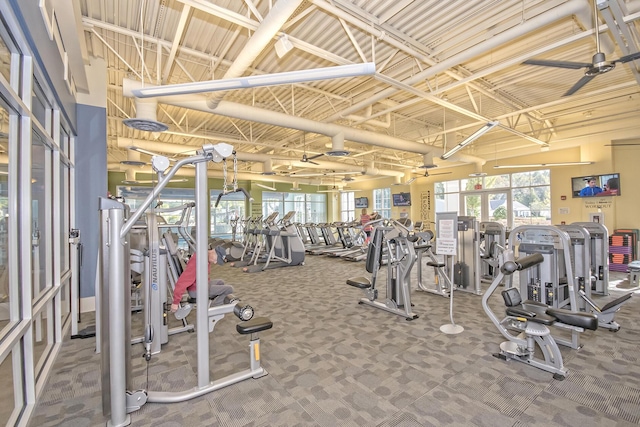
(497, 177)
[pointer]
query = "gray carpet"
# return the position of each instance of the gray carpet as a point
(332, 362)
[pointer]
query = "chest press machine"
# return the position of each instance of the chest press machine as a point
(526, 324)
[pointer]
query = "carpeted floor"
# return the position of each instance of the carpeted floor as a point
(332, 362)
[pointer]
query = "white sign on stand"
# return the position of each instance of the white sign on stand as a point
(447, 233)
(447, 245)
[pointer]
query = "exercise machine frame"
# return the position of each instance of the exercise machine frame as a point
(118, 399)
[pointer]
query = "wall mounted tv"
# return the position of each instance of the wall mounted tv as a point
(402, 199)
(596, 185)
(362, 202)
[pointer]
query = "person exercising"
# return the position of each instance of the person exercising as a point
(187, 281)
(364, 219)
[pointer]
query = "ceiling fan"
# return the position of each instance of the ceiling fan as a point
(308, 159)
(425, 175)
(599, 64)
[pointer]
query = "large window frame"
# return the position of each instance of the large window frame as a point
(38, 191)
(382, 202)
(309, 207)
(527, 197)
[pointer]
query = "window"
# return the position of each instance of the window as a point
(513, 200)
(226, 219)
(309, 208)
(348, 207)
(531, 198)
(382, 202)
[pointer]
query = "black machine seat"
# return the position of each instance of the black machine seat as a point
(615, 303)
(372, 264)
(531, 316)
(541, 313)
(359, 282)
(435, 264)
(254, 325)
(581, 320)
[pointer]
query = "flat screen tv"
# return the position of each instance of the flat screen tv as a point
(596, 185)
(362, 202)
(402, 199)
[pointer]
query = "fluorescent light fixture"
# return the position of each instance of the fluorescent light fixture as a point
(308, 175)
(470, 139)
(538, 165)
(150, 181)
(289, 77)
(147, 152)
(266, 187)
(283, 46)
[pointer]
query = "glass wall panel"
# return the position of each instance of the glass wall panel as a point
(226, 219)
(382, 202)
(41, 338)
(64, 218)
(39, 105)
(5, 60)
(4, 219)
(295, 202)
(40, 225)
(308, 207)
(316, 208)
(272, 202)
(497, 181)
(6, 390)
(347, 207)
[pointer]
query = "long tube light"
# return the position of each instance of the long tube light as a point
(266, 187)
(470, 139)
(289, 77)
(537, 165)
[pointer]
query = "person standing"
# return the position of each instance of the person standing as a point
(365, 218)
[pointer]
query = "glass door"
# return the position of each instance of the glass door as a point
(488, 206)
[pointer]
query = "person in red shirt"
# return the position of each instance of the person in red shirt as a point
(364, 219)
(187, 281)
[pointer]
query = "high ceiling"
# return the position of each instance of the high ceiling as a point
(443, 69)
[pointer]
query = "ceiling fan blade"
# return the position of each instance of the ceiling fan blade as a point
(627, 58)
(583, 81)
(558, 64)
(315, 156)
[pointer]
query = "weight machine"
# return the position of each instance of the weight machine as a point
(401, 258)
(492, 235)
(599, 253)
(581, 256)
(551, 282)
(442, 285)
(526, 325)
(115, 317)
(466, 270)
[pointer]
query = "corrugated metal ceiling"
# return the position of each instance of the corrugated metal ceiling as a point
(441, 71)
